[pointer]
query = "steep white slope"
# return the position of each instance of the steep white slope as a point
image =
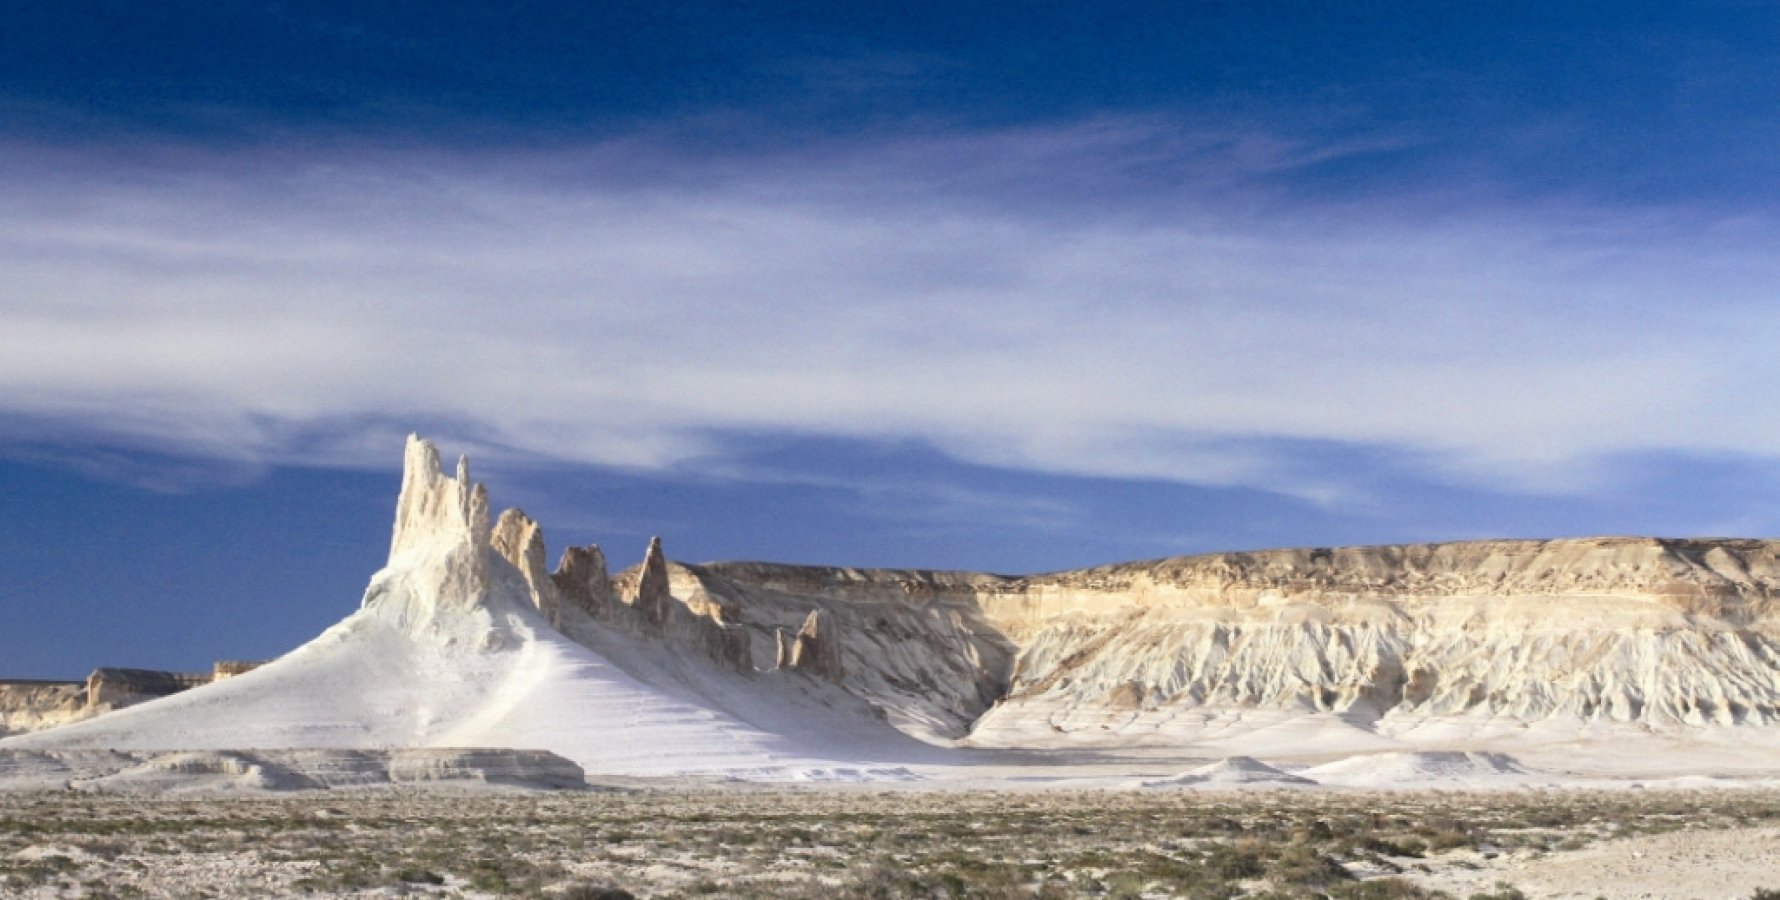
(449, 650)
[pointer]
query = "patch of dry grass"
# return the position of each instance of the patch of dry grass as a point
(808, 844)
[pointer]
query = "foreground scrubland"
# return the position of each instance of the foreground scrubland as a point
(853, 843)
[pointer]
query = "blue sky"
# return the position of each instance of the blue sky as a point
(1013, 287)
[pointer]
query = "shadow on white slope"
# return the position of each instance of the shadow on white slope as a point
(448, 651)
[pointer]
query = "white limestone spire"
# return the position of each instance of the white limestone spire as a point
(433, 507)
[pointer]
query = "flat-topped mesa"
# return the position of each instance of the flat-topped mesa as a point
(521, 542)
(1720, 569)
(1736, 580)
(433, 507)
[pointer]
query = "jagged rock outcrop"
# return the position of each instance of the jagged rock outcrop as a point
(781, 649)
(520, 541)
(440, 558)
(811, 651)
(431, 504)
(652, 597)
(657, 601)
(32, 705)
(582, 581)
(915, 645)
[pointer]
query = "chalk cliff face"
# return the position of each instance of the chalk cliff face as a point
(27, 706)
(914, 645)
(1663, 633)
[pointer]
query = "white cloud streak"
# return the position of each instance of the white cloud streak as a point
(1117, 298)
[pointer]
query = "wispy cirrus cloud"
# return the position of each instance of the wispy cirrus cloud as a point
(1130, 298)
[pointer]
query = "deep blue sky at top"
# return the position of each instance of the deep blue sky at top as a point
(999, 286)
(1625, 99)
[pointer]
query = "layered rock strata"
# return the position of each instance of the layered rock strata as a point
(1630, 630)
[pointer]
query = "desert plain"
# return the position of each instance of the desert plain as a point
(715, 840)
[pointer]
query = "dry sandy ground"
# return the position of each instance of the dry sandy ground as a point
(1692, 864)
(860, 842)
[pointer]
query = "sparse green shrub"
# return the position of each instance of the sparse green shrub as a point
(1125, 885)
(1449, 839)
(1302, 865)
(1402, 846)
(411, 875)
(1504, 891)
(1381, 889)
(1234, 862)
(596, 892)
(882, 880)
